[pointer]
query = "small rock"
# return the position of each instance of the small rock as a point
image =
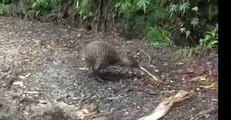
(157, 70)
(180, 63)
(165, 64)
(126, 113)
(24, 76)
(18, 83)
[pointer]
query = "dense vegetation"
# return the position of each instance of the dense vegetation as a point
(162, 22)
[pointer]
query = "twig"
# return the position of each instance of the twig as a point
(87, 97)
(149, 74)
(83, 68)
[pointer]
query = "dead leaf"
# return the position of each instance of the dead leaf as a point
(167, 104)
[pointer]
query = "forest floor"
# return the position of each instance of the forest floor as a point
(40, 77)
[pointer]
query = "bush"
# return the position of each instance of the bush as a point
(211, 38)
(182, 21)
(4, 9)
(157, 36)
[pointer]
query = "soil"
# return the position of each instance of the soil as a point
(40, 77)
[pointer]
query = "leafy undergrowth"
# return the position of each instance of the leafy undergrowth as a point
(40, 79)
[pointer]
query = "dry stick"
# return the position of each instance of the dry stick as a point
(149, 74)
(149, 58)
(83, 68)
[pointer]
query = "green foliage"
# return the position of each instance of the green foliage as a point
(46, 9)
(209, 42)
(85, 9)
(124, 6)
(186, 52)
(157, 12)
(41, 7)
(180, 7)
(173, 8)
(191, 17)
(139, 15)
(194, 21)
(4, 9)
(211, 38)
(143, 4)
(149, 7)
(159, 37)
(183, 7)
(136, 16)
(5, 1)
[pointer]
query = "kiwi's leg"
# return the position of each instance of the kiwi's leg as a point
(96, 69)
(90, 73)
(97, 64)
(90, 69)
(96, 75)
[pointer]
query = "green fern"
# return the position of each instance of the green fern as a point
(143, 4)
(123, 6)
(85, 9)
(211, 38)
(183, 7)
(172, 8)
(194, 21)
(159, 37)
(4, 9)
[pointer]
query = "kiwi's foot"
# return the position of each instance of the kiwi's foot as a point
(94, 74)
(99, 79)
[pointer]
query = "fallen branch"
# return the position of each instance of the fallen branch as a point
(150, 74)
(163, 108)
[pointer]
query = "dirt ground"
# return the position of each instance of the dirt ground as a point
(40, 79)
